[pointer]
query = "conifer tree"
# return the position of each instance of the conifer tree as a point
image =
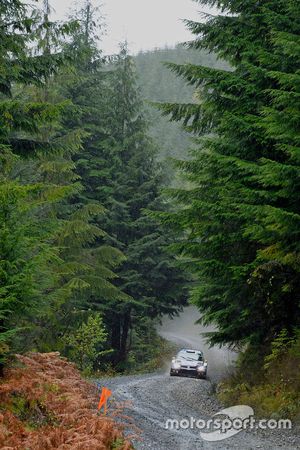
(25, 247)
(149, 277)
(240, 217)
(84, 267)
(47, 266)
(118, 171)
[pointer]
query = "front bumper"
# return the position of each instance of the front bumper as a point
(188, 371)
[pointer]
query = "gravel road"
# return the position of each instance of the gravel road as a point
(154, 398)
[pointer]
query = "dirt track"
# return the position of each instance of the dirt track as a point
(157, 397)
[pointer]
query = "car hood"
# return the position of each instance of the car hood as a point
(184, 362)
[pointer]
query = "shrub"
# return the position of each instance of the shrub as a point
(87, 343)
(45, 404)
(269, 383)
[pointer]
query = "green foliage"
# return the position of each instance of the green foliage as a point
(78, 171)
(118, 171)
(239, 215)
(26, 244)
(32, 412)
(87, 341)
(267, 380)
(24, 251)
(149, 276)
(117, 444)
(46, 234)
(148, 351)
(278, 348)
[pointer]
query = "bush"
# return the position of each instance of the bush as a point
(45, 404)
(87, 343)
(269, 383)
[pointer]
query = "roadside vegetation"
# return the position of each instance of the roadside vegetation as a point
(45, 404)
(270, 384)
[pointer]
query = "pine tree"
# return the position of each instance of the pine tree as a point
(85, 268)
(240, 216)
(47, 265)
(149, 276)
(90, 261)
(24, 241)
(118, 171)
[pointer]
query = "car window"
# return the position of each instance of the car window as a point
(190, 356)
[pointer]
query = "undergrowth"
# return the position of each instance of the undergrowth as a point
(268, 381)
(45, 405)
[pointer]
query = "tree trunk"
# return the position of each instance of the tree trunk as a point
(124, 337)
(1, 369)
(116, 338)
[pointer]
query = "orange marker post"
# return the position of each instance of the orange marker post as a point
(105, 394)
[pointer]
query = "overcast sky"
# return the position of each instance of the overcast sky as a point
(145, 24)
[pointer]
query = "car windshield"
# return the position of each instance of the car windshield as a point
(190, 355)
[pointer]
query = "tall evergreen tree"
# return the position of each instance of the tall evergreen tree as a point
(86, 267)
(85, 83)
(240, 217)
(149, 276)
(118, 170)
(25, 246)
(48, 269)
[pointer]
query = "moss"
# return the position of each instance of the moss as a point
(117, 444)
(51, 387)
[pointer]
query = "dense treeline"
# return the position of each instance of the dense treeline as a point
(240, 216)
(84, 268)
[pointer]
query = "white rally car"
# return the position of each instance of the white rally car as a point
(190, 363)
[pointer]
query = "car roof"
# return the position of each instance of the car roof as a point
(189, 350)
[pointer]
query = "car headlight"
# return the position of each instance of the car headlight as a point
(176, 364)
(201, 368)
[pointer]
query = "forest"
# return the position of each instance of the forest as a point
(84, 268)
(97, 242)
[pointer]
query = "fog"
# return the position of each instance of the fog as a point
(184, 332)
(145, 24)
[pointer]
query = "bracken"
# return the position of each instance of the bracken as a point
(45, 404)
